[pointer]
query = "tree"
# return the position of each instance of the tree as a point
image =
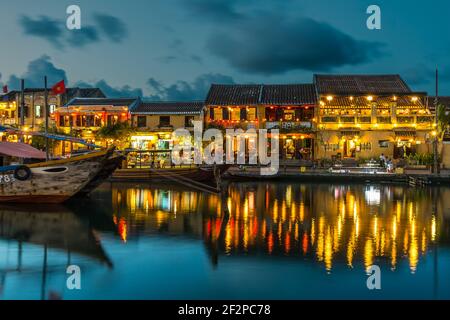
(443, 121)
(117, 132)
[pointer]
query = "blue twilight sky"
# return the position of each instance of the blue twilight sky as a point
(174, 49)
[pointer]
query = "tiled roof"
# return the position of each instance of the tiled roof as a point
(84, 93)
(188, 107)
(116, 102)
(290, 94)
(382, 102)
(281, 94)
(360, 84)
(236, 94)
(70, 93)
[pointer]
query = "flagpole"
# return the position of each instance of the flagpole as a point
(436, 139)
(46, 119)
(22, 108)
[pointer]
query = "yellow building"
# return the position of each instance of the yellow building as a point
(288, 107)
(84, 117)
(153, 124)
(364, 116)
(34, 105)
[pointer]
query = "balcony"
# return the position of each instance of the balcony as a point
(289, 126)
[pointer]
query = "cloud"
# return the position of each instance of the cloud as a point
(270, 44)
(183, 90)
(43, 27)
(215, 10)
(125, 91)
(196, 89)
(83, 37)
(419, 74)
(34, 76)
(112, 27)
(55, 31)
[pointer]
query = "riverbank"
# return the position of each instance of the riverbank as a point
(409, 177)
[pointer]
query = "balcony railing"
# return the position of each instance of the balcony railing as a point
(289, 125)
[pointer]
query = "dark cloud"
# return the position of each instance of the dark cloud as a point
(183, 90)
(113, 92)
(43, 27)
(34, 76)
(167, 59)
(418, 75)
(112, 27)
(83, 37)
(270, 44)
(55, 31)
(215, 10)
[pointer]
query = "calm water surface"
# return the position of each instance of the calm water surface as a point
(280, 241)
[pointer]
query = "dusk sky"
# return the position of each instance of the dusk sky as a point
(174, 49)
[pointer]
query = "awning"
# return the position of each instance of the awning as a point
(350, 132)
(20, 150)
(405, 133)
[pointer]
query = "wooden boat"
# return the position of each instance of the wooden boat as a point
(49, 182)
(109, 166)
(199, 174)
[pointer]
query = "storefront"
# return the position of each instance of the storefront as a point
(297, 146)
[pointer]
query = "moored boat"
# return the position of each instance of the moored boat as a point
(110, 165)
(171, 174)
(46, 182)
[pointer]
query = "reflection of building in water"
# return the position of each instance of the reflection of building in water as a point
(351, 224)
(178, 212)
(331, 223)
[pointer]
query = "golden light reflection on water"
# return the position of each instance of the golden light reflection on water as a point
(354, 225)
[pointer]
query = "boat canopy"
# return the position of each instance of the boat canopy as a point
(11, 130)
(20, 150)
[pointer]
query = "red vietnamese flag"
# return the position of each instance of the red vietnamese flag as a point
(59, 88)
(5, 89)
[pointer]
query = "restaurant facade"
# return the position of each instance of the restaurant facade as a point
(288, 108)
(153, 123)
(364, 116)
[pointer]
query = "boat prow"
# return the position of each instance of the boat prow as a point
(51, 181)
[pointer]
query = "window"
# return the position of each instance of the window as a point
(217, 112)
(383, 143)
(235, 114)
(424, 119)
(38, 111)
(164, 121)
(251, 114)
(348, 119)
(405, 119)
(289, 115)
(365, 119)
(61, 121)
(142, 121)
(112, 120)
(329, 119)
(385, 120)
(52, 108)
(90, 121)
(188, 121)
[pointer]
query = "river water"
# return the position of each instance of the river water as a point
(279, 241)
